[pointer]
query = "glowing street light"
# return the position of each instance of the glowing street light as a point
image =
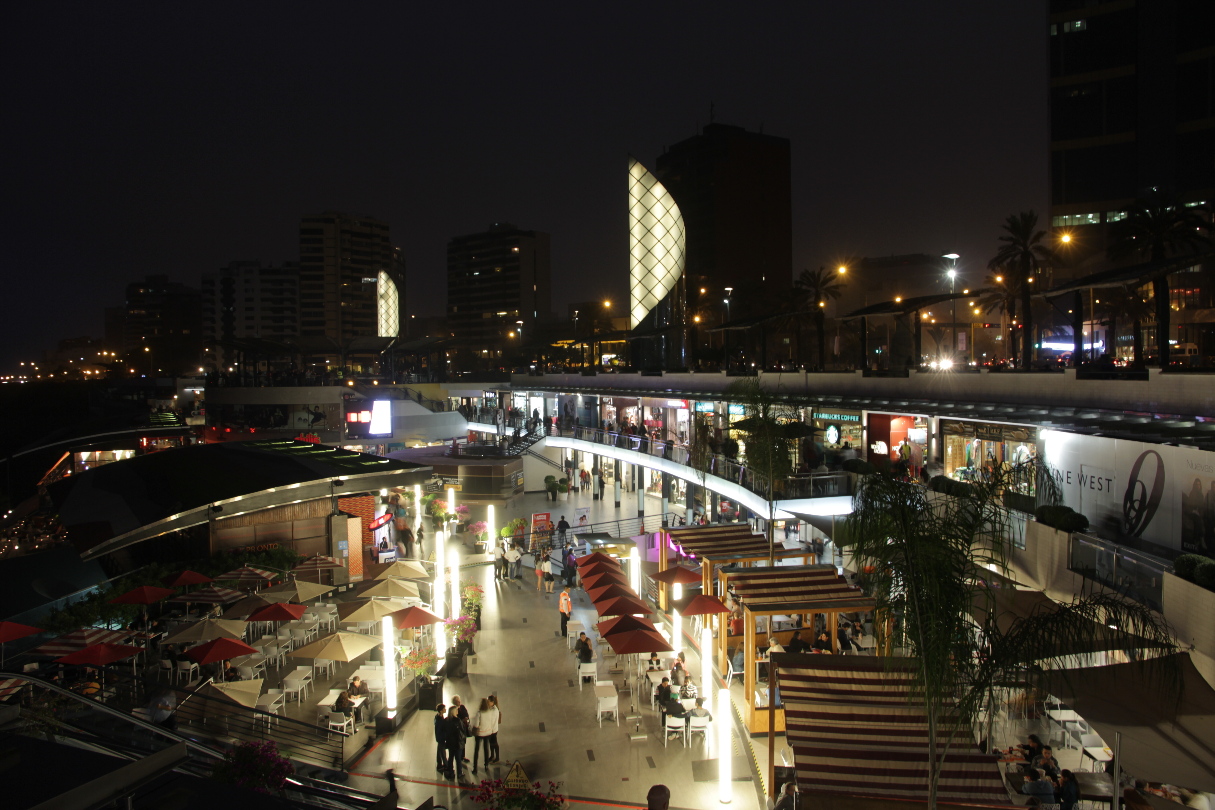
(454, 566)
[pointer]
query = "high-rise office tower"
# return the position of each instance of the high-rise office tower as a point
(351, 279)
(161, 326)
(731, 191)
(498, 281)
(248, 300)
(1132, 107)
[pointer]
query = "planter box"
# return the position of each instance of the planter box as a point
(1020, 501)
(454, 666)
(430, 691)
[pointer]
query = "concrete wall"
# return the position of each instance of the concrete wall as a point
(1043, 562)
(1188, 609)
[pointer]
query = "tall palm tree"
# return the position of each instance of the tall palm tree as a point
(1022, 248)
(1157, 227)
(816, 288)
(1003, 290)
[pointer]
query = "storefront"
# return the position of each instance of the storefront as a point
(839, 430)
(620, 411)
(972, 447)
(667, 419)
(898, 441)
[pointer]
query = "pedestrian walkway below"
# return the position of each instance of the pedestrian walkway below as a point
(548, 722)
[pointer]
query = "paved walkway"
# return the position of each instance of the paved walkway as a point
(548, 723)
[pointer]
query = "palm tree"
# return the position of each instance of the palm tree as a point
(1127, 303)
(1023, 250)
(1003, 290)
(926, 555)
(1155, 228)
(815, 289)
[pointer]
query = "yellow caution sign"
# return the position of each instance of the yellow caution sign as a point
(517, 778)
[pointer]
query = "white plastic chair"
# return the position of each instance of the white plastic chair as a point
(339, 721)
(698, 725)
(674, 724)
(187, 670)
(586, 671)
(293, 686)
(166, 668)
(246, 673)
(322, 664)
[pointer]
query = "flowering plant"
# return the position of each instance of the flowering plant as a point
(421, 662)
(462, 513)
(493, 794)
(472, 596)
(438, 508)
(480, 529)
(461, 628)
(255, 766)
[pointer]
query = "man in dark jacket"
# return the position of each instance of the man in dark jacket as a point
(441, 738)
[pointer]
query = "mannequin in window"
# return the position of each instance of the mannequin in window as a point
(1021, 454)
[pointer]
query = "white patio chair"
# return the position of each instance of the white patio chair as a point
(339, 721)
(188, 670)
(293, 686)
(586, 671)
(674, 725)
(698, 725)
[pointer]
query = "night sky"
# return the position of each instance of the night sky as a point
(176, 137)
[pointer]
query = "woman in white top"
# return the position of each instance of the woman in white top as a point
(547, 568)
(484, 724)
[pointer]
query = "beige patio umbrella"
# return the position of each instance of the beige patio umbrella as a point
(393, 588)
(403, 569)
(208, 630)
(339, 646)
(297, 590)
(246, 606)
(230, 698)
(369, 610)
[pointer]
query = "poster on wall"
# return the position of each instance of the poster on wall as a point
(582, 517)
(1127, 489)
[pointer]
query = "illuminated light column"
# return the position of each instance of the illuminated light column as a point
(453, 563)
(676, 619)
(489, 524)
(439, 593)
(451, 500)
(388, 634)
(417, 502)
(635, 570)
(706, 656)
(725, 789)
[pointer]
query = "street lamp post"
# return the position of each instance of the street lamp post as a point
(953, 277)
(725, 333)
(581, 358)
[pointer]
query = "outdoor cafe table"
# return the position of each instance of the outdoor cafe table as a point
(1095, 787)
(325, 705)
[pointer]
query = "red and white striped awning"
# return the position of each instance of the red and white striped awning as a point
(721, 542)
(854, 729)
(79, 639)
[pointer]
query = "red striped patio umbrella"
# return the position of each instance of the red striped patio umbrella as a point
(213, 595)
(143, 595)
(594, 557)
(221, 649)
(11, 631)
(623, 624)
(601, 578)
(186, 578)
(677, 576)
(98, 655)
(414, 617)
(248, 575)
(78, 640)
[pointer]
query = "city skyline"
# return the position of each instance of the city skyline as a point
(173, 144)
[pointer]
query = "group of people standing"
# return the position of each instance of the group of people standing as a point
(453, 727)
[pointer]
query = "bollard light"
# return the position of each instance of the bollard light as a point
(635, 570)
(676, 631)
(388, 633)
(453, 562)
(725, 788)
(439, 593)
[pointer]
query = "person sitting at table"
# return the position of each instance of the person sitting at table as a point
(671, 707)
(1069, 790)
(678, 673)
(774, 646)
(662, 692)
(583, 649)
(1047, 762)
(344, 703)
(654, 664)
(699, 710)
(227, 672)
(358, 688)
(687, 691)
(845, 640)
(796, 644)
(1031, 748)
(1036, 784)
(822, 644)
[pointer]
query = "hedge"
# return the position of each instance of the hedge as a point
(1204, 574)
(1063, 518)
(1186, 564)
(949, 486)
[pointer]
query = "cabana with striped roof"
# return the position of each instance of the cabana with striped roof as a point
(726, 544)
(856, 729)
(787, 592)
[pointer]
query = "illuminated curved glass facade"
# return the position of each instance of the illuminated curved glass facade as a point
(656, 242)
(388, 306)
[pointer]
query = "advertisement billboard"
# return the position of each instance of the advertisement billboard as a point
(1127, 489)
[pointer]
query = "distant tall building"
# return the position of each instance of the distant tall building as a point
(494, 280)
(162, 323)
(248, 300)
(1132, 106)
(351, 279)
(731, 192)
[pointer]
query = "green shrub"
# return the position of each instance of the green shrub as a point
(1186, 564)
(1204, 574)
(1063, 518)
(940, 483)
(858, 466)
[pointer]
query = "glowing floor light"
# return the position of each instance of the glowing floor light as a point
(453, 562)
(635, 570)
(388, 637)
(725, 788)
(489, 526)
(676, 619)
(439, 592)
(417, 500)
(451, 500)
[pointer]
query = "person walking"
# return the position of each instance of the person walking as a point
(549, 579)
(420, 536)
(494, 752)
(499, 562)
(566, 606)
(512, 557)
(569, 568)
(441, 738)
(484, 724)
(562, 527)
(599, 481)
(540, 563)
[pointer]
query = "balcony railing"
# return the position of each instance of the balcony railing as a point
(1132, 573)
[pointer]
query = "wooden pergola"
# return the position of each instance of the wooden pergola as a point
(801, 590)
(725, 544)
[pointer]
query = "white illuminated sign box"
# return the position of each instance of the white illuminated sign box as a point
(381, 418)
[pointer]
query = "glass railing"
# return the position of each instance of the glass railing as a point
(1132, 573)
